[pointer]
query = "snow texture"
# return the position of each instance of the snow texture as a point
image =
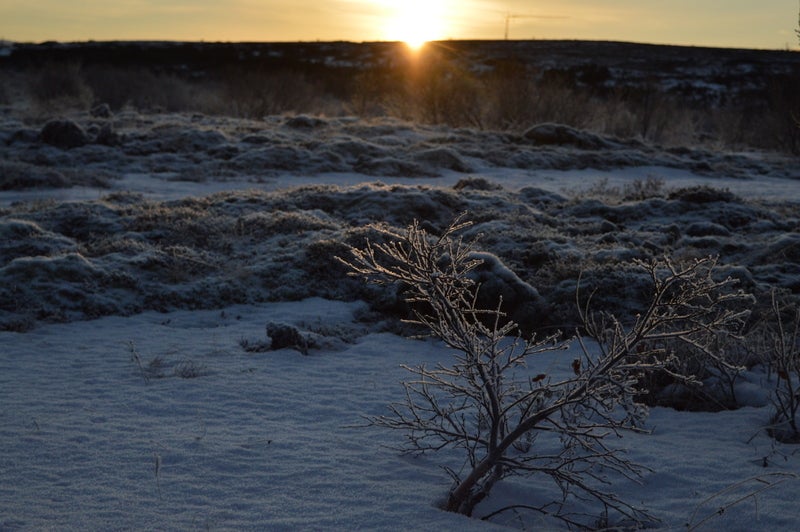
(150, 262)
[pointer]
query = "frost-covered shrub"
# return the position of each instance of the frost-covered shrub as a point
(189, 369)
(319, 259)
(697, 338)
(703, 194)
(511, 422)
(65, 267)
(715, 368)
(781, 249)
(636, 190)
(161, 366)
(778, 339)
(16, 175)
(23, 238)
(265, 224)
(618, 287)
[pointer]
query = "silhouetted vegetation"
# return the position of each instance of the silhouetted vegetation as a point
(662, 94)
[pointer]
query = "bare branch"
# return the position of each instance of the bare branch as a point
(487, 404)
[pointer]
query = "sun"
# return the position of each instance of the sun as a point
(415, 22)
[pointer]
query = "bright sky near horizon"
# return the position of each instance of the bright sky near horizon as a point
(726, 23)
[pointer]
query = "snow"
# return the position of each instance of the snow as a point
(138, 384)
(274, 440)
(258, 441)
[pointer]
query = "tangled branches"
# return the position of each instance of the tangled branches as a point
(509, 419)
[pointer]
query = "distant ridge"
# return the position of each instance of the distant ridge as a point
(693, 71)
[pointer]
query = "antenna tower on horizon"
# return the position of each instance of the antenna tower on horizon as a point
(512, 16)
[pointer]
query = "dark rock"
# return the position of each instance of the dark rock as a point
(286, 336)
(391, 167)
(256, 139)
(102, 110)
(706, 228)
(607, 226)
(27, 136)
(476, 183)
(107, 136)
(522, 303)
(64, 134)
(443, 158)
(541, 196)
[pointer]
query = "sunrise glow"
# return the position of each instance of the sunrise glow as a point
(415, 22)
(759, 24)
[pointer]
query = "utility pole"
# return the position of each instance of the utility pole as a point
(511, 16)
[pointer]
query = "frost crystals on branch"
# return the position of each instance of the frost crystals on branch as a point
(510, 420)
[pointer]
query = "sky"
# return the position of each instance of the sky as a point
(766, 24)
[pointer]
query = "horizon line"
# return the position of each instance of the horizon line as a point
(346, 41)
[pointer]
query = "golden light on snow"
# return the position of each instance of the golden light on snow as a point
(415, 22)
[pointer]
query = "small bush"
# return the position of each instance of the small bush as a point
(5, 91)
(784, 112)
(19, 176)
(189, 369)
(147, 90)
(255, 346)
(639, 190)
(488, 407)
(57, 86)
(636, 190)
(258, 94)
(703, 194)
(159, 367)
(440, 91)
(778, 339)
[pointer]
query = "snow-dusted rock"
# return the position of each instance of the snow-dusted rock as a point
(559, 134)
(102, 110)
(443, 158)
(520, 301)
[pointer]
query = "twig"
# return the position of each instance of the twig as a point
(763, 479)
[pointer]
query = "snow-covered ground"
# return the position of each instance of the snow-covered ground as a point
(140, 270)
(271, 440)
